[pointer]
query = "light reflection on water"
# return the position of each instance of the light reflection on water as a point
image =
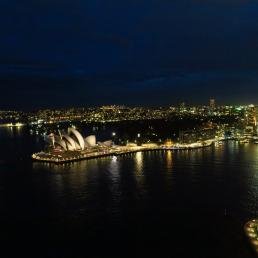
(169, 160)
(138, 163)
(231, 168)
(145, 188)
(169, 180)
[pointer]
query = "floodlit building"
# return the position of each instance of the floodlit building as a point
(61, 143)
(74, 141)
(71, 145)
(106, 143)
(78, 139)
(90, 141)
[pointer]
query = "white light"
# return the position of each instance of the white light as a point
(114, 158)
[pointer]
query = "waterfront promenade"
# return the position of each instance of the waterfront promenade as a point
(72, 156)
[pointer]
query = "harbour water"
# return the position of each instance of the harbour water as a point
(152, 204)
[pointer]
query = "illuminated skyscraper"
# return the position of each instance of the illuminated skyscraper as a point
(212, 103)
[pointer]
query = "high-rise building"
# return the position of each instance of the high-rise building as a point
(212, 103)
(250, 116)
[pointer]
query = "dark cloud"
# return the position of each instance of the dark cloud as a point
(137, 52)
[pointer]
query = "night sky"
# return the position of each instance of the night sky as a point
(58, 53)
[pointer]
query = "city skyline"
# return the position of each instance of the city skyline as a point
(187, 104)
(211, 104)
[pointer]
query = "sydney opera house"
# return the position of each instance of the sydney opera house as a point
(74, 141)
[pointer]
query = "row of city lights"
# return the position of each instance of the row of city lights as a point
(114, 134)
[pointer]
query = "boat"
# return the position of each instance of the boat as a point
(243, 141)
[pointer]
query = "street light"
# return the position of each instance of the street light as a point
(138, 135)
(113, 134)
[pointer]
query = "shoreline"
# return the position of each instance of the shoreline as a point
(119, 151)
(251, 231)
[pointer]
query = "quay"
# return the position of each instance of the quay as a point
(72, 156)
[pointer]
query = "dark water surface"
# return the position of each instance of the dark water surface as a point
(153, 204)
